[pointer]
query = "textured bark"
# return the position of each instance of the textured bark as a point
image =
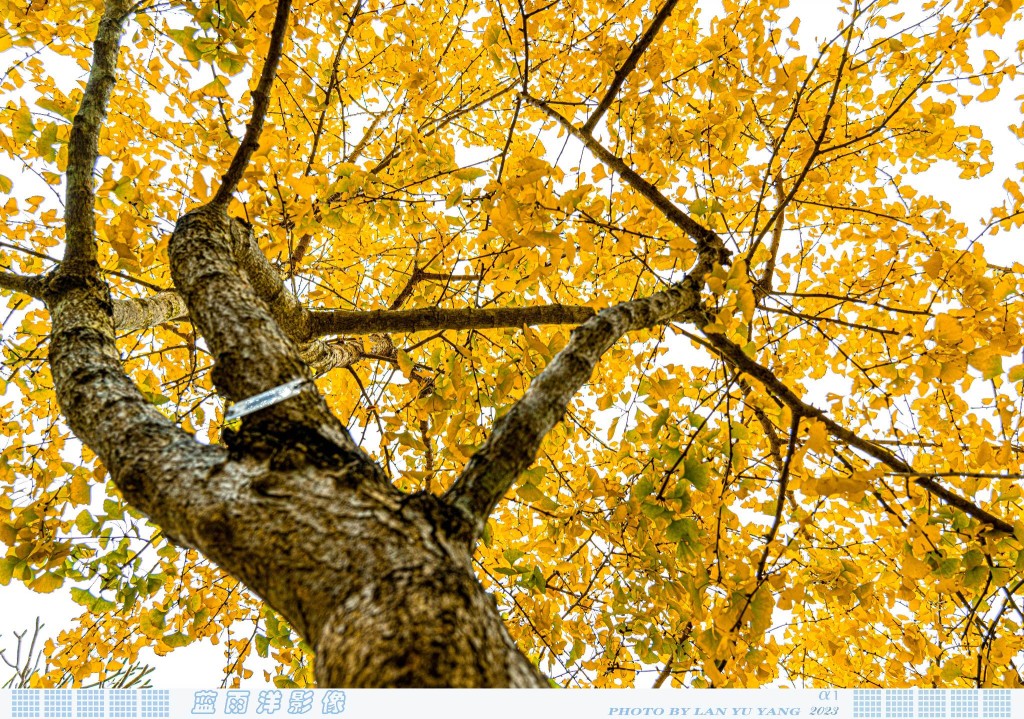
(326, 322)
(137, 314)
(24, 284)
(83, 142)
(380, 583)
(308, 327)
(291, 507)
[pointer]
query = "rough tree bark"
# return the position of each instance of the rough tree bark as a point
(378, 581)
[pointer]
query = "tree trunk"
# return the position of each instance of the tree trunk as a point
(379, 582)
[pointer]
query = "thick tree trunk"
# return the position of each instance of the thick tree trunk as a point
(414, 613)
(379, 582)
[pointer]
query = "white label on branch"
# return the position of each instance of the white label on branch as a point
(265, 399)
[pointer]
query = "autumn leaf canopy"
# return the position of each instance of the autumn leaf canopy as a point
(811, 474)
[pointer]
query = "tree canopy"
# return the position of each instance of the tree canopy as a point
(773, 428)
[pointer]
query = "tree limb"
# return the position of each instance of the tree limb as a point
(516, 437)
(261, 101)
(24, 284)
(735, 355)
(141, 313)
(252, 352)
(308, 327)
(705, 238)
(158, 467)
(629, 65)
(426, 319)
(83, 143)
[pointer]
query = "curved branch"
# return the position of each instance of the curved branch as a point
(158, 467)
(261, 101)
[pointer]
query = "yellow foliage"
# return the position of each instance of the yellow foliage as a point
(675, 515)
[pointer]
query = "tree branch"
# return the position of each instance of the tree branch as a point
(159, 468)
(24, 284)
(739, 359)
(706, 239)
(427, 319)
(515, 440)
(83, 143)
(307, 327)
(628, 66)
(140, 313)
(252, 351)
(261, 101)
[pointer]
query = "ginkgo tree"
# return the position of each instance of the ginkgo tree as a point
(629, 347)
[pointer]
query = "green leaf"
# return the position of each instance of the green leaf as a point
(696, 473)
(659, 422)
(22, 126)
(234, 14)
(152, 623)
(975, 577)
(512, 556)
(85, 522)
(177, 639)
(468, 174)
(168, 551)
(529, 493)
(47, 140)
(683, 530)
(762, 607)
(262, 646)
(453, 197)
(655, 511)
(83, 597)
(7, 569)
(537, 580)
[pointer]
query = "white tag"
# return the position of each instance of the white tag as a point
(265, 399)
